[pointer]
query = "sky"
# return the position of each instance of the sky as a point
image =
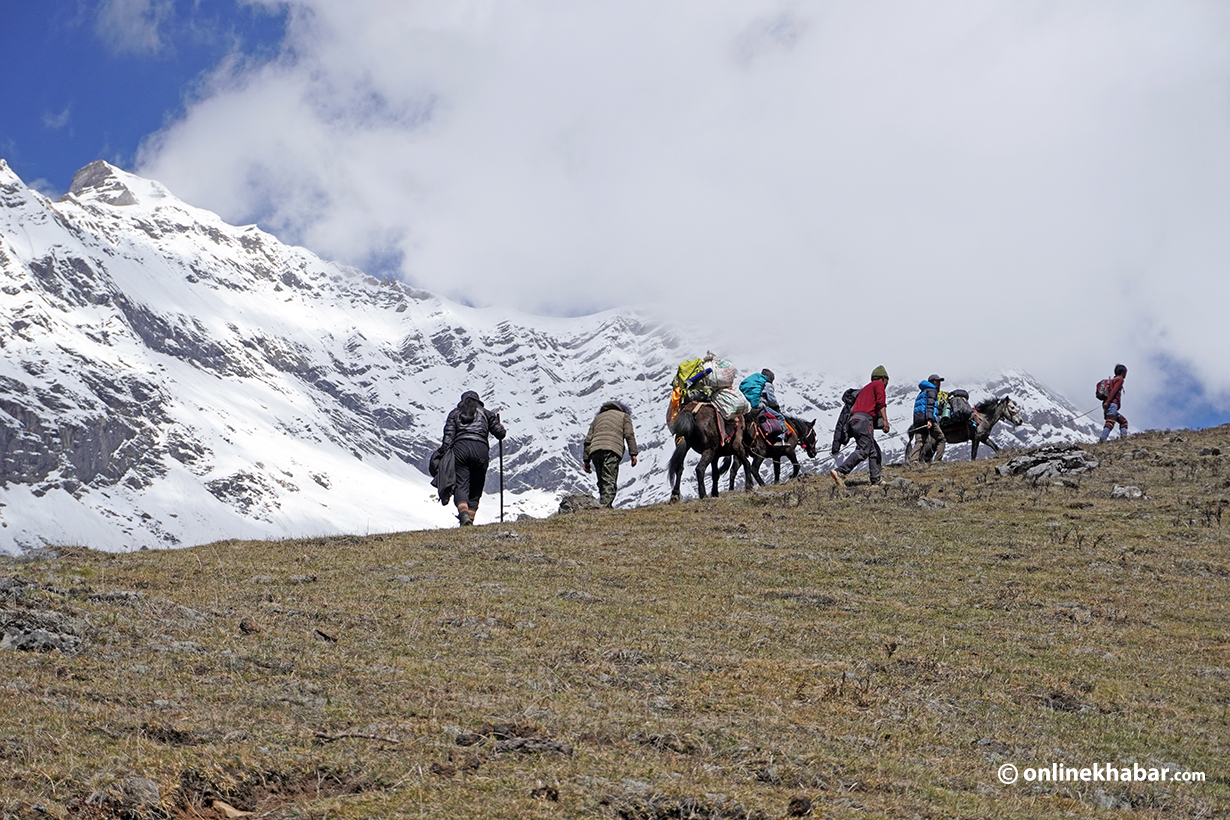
(958, 186)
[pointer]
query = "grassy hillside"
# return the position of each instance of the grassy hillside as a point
(805, 651)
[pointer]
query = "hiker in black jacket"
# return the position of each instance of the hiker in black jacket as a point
(465, 433)
(841, 433)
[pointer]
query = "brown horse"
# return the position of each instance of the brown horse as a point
(978, 430)
(696, 428)
(798, 433)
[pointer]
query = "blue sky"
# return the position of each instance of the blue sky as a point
(957, 186)
(89, 80)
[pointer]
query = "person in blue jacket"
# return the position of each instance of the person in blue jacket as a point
(758, 389)
(926, 425)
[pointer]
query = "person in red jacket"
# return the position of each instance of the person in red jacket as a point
(1112, 403)
(870, 405)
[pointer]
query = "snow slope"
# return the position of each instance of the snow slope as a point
(168, 379)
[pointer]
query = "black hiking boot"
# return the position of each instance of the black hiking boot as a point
(465, 519)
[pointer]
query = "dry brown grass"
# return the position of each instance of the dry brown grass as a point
(709, 659)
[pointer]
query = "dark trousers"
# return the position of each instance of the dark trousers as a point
(865, 447)
(472, 459)
(606, 465)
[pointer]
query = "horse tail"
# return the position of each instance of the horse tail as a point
(683, 428)
(684, 425)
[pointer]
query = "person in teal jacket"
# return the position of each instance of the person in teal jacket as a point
(758, 389)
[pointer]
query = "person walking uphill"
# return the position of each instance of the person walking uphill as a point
(1111, 403)
(871, 403)
(926, 424)
(604, 447)
(465, 433)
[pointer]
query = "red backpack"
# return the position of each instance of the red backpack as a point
(1102, 391)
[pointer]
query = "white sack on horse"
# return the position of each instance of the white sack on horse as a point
(731, 402)
(721, 373)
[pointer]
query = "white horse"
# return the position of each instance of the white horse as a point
(978, 430)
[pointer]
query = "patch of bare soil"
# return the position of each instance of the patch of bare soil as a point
(265, 795)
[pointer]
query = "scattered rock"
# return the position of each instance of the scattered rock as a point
(248, 626)
(931, 504)
(1050, 462)
(545, 793)
(500, 732)
(1126, 492)
(191, 647)
(13, 588)
(39, 554)
(445, 770)
(139, 794)
(992, 749)
(657, 807)
(1062, 701)
(577, 503)
(115, 597)
(1210, 451)
(1103, 800)
(533, 745)
(39, 640)
(40, 631)
(576, 595)
(227, 810)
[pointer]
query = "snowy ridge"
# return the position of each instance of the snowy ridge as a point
(169, 379)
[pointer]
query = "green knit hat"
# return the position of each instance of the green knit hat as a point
(879, 373)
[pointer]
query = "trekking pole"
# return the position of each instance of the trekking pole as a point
(501, 481)
(1082, 415)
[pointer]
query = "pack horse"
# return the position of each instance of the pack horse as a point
(977, 431)
(698, 427)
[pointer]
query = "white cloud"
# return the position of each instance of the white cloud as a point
(57, 121)
(955, 186)
(133, 26)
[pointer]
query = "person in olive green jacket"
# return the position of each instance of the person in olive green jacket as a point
(604, 447)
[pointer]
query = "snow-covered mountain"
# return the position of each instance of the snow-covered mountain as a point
(169, 379)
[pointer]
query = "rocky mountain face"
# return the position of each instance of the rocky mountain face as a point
(169, 379)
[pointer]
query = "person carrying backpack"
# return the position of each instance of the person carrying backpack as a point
(870, 405)
(1111, 393)
(466, 432)
(841, 433)
(604, 447)
(926, 425)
